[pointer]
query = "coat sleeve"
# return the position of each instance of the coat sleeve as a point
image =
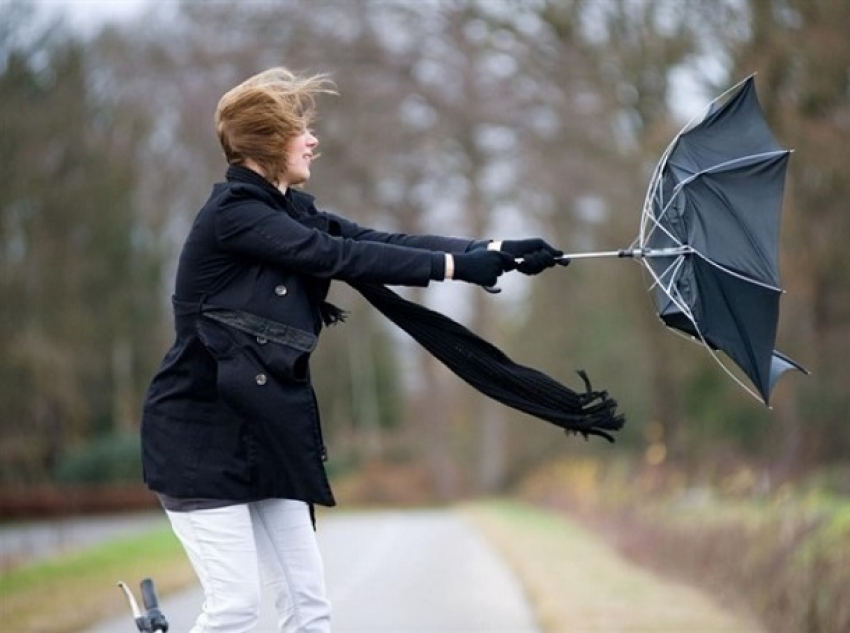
(250, 228)
(356, 232)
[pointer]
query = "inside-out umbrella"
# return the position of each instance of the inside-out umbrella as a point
(709, 234)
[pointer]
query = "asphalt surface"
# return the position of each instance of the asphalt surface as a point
(423, 571)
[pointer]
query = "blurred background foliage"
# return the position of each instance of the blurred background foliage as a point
(487, 118)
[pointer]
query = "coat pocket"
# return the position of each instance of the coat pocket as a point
(263, 355)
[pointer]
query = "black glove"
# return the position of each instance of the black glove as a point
(536, 262)
(536, 253)
(482, 267)
(521, 248)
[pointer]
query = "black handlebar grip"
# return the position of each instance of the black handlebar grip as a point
(149, 594)
(155, 616)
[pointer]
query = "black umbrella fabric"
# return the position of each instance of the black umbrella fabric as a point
(714, 205)
(709, 237)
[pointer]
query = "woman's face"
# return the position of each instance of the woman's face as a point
(299, 155)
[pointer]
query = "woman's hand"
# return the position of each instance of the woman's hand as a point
(480, 267)
(536, 254)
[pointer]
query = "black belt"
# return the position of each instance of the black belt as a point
(251, 324)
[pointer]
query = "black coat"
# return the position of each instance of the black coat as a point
(231, 413)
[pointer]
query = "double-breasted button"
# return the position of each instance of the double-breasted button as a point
(262, 340)
(280, 290)
(261, 379)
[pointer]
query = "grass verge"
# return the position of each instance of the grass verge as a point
(575, 580)
(781, 554)
(73, 591)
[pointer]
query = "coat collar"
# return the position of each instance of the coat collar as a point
(292, 200)
(239, 173)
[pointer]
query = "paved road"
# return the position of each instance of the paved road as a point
(424, 571)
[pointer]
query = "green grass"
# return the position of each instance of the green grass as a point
(72, 591)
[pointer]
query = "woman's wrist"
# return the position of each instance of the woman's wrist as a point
(494, 245)
(438, 265)
(450, 266)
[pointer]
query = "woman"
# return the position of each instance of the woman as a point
(231, 437)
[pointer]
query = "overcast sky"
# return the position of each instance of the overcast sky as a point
(88, 14)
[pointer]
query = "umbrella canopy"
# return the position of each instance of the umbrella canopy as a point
(710, 232)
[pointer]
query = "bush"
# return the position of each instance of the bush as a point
(108, 459)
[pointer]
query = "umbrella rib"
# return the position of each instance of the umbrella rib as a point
(743, 227)
(656, 221)
(738, 275)
(699, 340)
(674, 296)
(677, 191)
(668, 273)
(654, 186)
(685, 309)
(655, 178)
(731, 163)
(648, 217)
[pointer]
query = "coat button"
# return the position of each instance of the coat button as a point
(280, 290)
(260, 379)
(262, 340)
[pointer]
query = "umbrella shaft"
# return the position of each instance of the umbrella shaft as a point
(633, 253)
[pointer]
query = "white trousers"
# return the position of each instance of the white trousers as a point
(231, 548)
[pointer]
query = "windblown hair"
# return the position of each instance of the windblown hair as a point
(257, 119)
